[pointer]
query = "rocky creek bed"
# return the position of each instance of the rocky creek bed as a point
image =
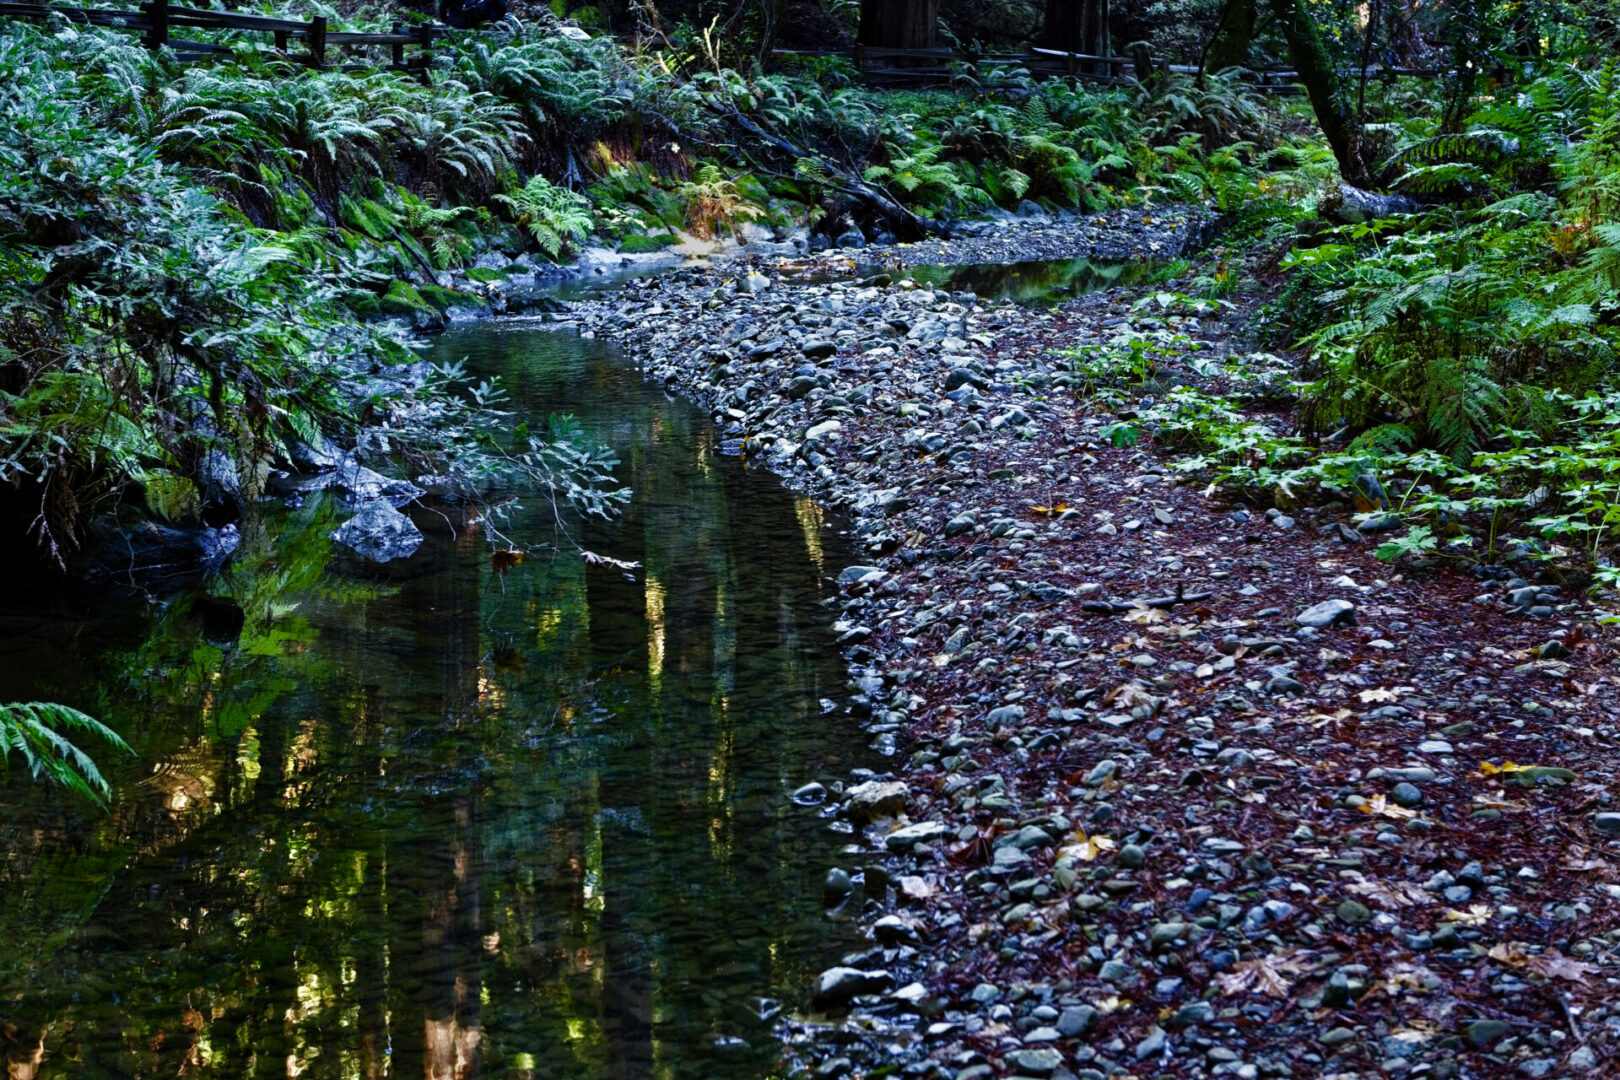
(1178, 788)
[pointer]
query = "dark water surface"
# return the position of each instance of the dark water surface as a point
(439, 822)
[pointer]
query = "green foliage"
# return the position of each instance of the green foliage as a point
(37, 732)
(929, 184)
(555, 217)
(714, 202)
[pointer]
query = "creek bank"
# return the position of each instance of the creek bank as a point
(1176, 788)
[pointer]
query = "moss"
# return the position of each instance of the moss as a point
(642, 243)
(402, 298)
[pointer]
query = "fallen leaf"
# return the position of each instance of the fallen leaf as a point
(1380, 805)
(1087, 848)
(1269, 975)
(1476, 915)
(1391, 895)
(1553, 964)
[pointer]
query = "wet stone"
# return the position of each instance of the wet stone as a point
(1042, 1062)
(837, 986)
(1327, 613)
(1407, 794)
(1075, 1020)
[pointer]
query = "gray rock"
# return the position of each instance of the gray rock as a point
(1101, 772)
(379, 532)
(959, 524)
(836, 986)
(849, 575)
(1485, 1032)
(875, 799)
(1407, 794)
(1041, 1062)
(1354, 912)
(1607, 823)
(921, 833)
(810, 794)
(1327, 613)
(837, 886)
(1075, 1020)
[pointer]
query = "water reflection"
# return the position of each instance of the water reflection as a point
(441, 822)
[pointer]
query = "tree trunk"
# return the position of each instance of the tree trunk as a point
(1316, 71)
(1234, 36)
(899, 24)
(1076, 26)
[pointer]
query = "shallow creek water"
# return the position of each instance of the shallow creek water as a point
(437, 821)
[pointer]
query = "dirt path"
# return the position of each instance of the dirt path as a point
(1177, 788)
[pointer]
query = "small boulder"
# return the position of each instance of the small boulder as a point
(1327, 613)
(379, 532)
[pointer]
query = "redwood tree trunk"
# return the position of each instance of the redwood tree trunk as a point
(899, 24)
(1234, 36)
(1316, 71)
(1079, 26)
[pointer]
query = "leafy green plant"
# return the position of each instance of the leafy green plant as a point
(34, 731)
(555, 217)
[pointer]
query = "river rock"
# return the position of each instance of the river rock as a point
(876, 799)
(836, 986)
(909, 837)
(1327, 613)
(1041, 1062)
(379, 532)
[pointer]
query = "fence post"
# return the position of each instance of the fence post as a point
(157, 31)
(317, 41)
(1142, 60)
(397, 50)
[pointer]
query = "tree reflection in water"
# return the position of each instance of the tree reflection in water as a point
(441, 822)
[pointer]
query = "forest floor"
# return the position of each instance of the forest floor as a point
(1179, 787)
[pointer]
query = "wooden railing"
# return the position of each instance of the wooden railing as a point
(910, 66)
(157, 18)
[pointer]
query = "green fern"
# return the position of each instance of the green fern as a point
(555, 217)
(34, 732)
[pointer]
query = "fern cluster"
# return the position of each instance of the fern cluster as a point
(36, 732)
(555, 217)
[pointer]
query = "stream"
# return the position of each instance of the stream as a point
(442, 821)
(446, 820)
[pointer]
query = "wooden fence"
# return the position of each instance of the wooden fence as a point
(156, 19)
(899, 67)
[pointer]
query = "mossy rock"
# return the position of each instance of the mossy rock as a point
(642, 243)
(442, 300)
(402, 298)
